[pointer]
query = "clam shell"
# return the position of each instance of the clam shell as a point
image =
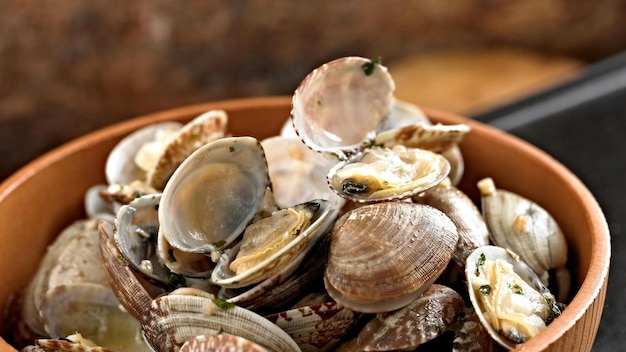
(317, 327)
(338, 106)
(510, 294)
(220, 343)
(298, 174)
(382, 256)
(437, 138)
(212, 196)
(472, 336)
(464, 214)
(120, 167)
(203, 129)
(524, 227)
(293, 252)
(422, 320)
(383, 174)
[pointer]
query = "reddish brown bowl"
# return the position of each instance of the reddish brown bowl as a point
(38, 201)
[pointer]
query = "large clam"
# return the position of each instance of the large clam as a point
(340, 108)
(384, 255)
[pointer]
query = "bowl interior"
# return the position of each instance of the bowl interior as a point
(41, 199)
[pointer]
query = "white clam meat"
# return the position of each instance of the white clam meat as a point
(507, 295)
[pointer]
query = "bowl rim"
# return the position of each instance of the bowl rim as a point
(589, 291)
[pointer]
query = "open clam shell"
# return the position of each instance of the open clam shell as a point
(509, 298)
(213, 195)
(290, 254)
(382, 256)
(121, 167)
(383, 174)
(341, 104)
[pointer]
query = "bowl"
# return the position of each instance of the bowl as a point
(43, 197)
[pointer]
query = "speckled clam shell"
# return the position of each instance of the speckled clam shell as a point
(318, 327)
(472, 336)
(203, 129)
(464, 214)
(341, 104)
(422, 320)
(437, 138)
(213, 195)
(382, 256)
(220, 343)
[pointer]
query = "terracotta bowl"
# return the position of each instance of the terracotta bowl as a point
(38, 201)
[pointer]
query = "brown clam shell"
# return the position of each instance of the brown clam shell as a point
(384, 255)
(421, 321)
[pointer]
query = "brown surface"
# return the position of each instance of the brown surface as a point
(470, 81)
(69, 67)
(36, 203)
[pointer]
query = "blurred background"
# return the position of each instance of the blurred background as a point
(67, 68)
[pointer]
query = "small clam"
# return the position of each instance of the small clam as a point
(437, 138)
(72, 343)
(381, 174)
(213, 195)
(527, 229)
(464, 214)
(273, 242)
(420, 321)
(384, 255)
(509, 298)
(472, 336)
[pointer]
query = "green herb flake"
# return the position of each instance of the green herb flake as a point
(231, 149)
(170, 256)
(485, 289)
(370, 66)
(219, 244)
(138, 195)
(517, 289)
(319, 102)
(121, 260)
(220, 331)
(223, 304)
(441, 327)
(480, 262)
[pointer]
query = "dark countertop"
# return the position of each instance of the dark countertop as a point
(582, 124)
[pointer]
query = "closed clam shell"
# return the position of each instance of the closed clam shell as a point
(384, 255)
(420, 321)
(464, 214)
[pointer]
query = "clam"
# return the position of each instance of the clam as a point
(298, 174)
(384, 255)
(316, 327)
(422, 320)
(509, 298)
(472, 336)
(527, 229)
(168, 321)
(383, 174)
(341, 107)
(464, 214)
(72, 343)
(213, 195)
(152, 153)
(271, 243)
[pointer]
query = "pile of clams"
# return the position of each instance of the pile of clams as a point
(345, 232)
